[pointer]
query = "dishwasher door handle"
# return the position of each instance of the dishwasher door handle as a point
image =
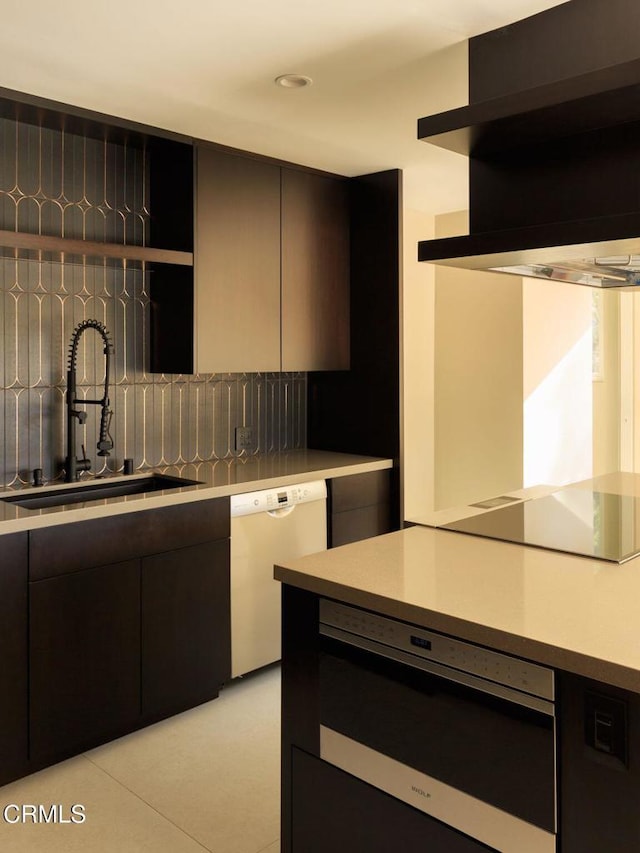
(281, 512)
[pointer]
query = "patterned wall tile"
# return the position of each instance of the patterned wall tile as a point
(58, 184)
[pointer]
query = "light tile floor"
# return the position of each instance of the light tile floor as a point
(205, 780)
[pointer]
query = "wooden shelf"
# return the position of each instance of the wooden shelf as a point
(62, 248)
(604, 98)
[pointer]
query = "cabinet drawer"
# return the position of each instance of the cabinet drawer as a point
(113, 539)
(359, 490)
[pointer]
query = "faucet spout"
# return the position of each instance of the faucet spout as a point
(73, 465)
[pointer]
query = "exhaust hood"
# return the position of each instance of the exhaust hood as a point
(554, 186)
(598, 260)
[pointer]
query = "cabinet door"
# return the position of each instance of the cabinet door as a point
(315, 272)
(186, 635)
(84, 658)
(13, 656)
(237, 264)
(599, 773)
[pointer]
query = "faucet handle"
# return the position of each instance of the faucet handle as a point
(83, 464)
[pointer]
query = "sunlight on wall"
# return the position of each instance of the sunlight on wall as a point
(558, 430)
(558, 387)
(612, 377)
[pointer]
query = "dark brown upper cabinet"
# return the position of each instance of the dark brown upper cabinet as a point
(271, 285)
(270, 243)
(237, 272)
(315, 272)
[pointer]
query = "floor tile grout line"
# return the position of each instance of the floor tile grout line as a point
(149, 805)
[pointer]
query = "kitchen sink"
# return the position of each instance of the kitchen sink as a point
(97, 490)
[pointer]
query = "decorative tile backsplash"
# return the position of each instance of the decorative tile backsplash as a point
(57, 184)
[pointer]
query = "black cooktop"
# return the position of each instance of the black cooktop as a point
(578, 521)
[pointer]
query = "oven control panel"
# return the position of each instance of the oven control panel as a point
(457, 654)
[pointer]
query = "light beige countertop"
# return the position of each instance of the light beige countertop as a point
(573, 613)
(217, 478)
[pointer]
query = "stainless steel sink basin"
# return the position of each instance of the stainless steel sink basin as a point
(96, 490)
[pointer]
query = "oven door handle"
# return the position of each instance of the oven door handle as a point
(526, 700)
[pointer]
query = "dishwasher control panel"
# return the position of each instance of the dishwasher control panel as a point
(269, 500)
(457, 654)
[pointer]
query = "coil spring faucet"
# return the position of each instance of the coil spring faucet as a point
(73, 465)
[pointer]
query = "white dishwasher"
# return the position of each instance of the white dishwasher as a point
(268, 527)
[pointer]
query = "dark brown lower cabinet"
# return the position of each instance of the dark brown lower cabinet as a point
(84, 658)
(359, 507)
(599, 754)
(129, 621)
(13, 655)
(186, 632)
(333, 811)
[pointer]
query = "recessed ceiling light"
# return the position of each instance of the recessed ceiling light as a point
(293, 81)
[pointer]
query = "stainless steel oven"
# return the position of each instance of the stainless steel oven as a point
(460, 732)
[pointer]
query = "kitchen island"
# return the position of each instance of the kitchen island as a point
(573, 615)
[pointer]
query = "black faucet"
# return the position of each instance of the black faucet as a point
(73, 465)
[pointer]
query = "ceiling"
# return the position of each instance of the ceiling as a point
(206, 69)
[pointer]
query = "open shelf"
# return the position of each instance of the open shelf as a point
(607, 97)
(39, 246)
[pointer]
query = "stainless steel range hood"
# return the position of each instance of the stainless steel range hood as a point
(593, 272)
(540, 252)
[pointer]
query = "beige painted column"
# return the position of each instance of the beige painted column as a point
(418, 353)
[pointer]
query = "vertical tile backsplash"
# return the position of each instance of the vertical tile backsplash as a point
(63, 185)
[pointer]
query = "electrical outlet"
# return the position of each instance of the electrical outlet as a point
(244, 438)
